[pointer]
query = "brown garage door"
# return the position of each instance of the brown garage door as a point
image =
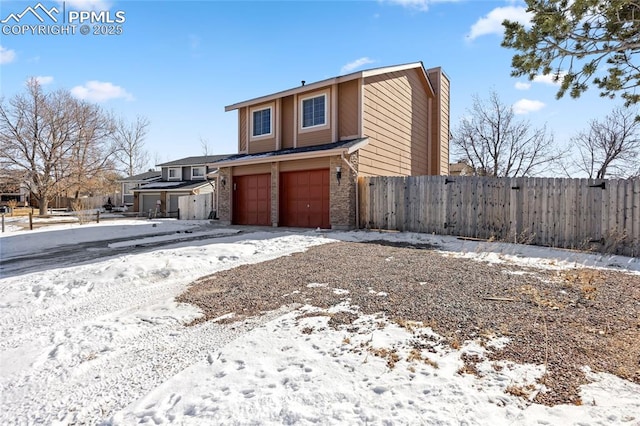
(304, 199)
(252, 200)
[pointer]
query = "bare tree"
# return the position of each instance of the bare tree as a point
(56, 140)
(495, 143)
(131, 155)
(611, 146)
(204, 144)
(156, 158)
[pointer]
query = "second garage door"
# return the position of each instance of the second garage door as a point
(252, 200)
(149, 203)
(304, 199)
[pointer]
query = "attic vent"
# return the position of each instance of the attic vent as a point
(303, 82)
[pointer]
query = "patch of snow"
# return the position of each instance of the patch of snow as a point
(105, 343)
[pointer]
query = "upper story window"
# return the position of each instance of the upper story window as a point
(261, 122)
(314, 111)
(197, 172)
(175, 173)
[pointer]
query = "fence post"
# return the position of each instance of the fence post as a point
(31, 221)
(98, 216)
(178, 213)
(2, 222)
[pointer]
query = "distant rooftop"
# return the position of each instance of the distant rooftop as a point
(170, 186)
(148, 175)
(194, 161)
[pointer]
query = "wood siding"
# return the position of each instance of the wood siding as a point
(242, 130)
(396, 122)
(348, 104)
(287, 122)
(405, 115)
(262, 145)
(252, 169)
(317, 137)
(439, 161)
(297, 165)
(585, 214)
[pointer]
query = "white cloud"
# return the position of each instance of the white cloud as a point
(87, 4)
(520, 85)
(525, 106)
(492, 22)
(99, 91)
(414, 4)
(351, 66)
(44, 79)
(422, 5)
(550, 79)
(6, 55)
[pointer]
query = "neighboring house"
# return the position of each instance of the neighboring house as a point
(460, 169)
(301, 150)
(13, 187)
(187, 176)
(136, 181)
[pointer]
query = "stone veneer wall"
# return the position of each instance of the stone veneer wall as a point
(342, 211)
(224, 197)
(275, 188)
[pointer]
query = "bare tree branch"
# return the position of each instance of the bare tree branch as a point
(59, 142)
(611, 146)
(495, 143)
(131, 155)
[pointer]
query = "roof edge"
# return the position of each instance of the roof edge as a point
(294, 156)
(326, 82)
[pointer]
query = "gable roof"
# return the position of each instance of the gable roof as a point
(194, 161)
(327, 149)
(171, 186)
(148, 175)
(333, 80)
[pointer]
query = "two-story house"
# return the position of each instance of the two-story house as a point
(186, 176)
(300, 151)
(131, 183)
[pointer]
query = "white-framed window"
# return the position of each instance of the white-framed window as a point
(261, 122)
(197, 172)
(175, 173)
(314, 111)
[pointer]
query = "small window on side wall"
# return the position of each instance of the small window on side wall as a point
(174, 173)
(197, 172)
(261, 122)
(314, 111)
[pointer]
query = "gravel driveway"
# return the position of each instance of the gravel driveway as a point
(564, 319)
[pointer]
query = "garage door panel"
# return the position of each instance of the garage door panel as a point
(304, 198)
(148, 202)
(252, 200)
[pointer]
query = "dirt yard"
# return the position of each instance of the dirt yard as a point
(563, 319)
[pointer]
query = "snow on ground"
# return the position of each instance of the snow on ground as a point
(15, 241)
(104, 343)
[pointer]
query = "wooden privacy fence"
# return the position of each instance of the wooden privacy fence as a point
(601, 215)
(195, 206)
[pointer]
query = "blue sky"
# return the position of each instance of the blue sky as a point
(180, 62)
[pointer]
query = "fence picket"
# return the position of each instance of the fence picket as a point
(557, 212)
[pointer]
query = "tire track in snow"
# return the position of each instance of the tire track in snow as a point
(118, 367)
(113, 380)
(35, 321)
